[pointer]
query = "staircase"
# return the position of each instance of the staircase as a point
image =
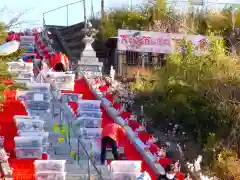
(76, 169)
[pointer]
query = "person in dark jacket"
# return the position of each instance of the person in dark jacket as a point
(170, 173)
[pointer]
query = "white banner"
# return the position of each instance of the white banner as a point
(144, 41)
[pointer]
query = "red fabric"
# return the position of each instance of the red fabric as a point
(74, 106)
(109, 97)
(114, 131)
(126, 115)
(103, 88)
(29, 61)
(10, 94)
(154, 148)
(134, 124)
(144, 136)
(180, 176)
(165, 161)
(117, 106)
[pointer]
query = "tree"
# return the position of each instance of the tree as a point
(4, 74)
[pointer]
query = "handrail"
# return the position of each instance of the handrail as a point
(75, 134)
(156, 167)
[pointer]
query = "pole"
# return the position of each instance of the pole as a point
(131, 5)
(102, 8)
(43, 19)
(67, 14)
(85, 14)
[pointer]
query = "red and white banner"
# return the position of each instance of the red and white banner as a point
(144, 41)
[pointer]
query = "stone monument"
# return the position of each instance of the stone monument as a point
(89, 63)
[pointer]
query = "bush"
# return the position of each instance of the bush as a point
(200, 93)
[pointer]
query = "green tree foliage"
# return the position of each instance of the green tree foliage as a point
(4, 74)
(201, 93)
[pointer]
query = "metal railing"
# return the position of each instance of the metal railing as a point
(90, 161)
(67, 12)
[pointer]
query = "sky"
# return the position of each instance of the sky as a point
(33, 10)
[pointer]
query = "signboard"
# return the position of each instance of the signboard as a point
(144, 41)
(199, 42)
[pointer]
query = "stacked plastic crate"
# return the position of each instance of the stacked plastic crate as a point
(22, 70)
(88, 126)
(62, 80)
(29, 146)
(38, 99)
(50, 169)
(28, 44)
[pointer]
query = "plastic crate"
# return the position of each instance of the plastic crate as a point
(22, 117)
(50, 166)
(27, 125)
(44, 135)
(29, 142)
(29, 153)
(126, 166)
(89, 105)
(94, 114)
(50, 176)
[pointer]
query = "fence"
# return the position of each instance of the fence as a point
(68, 13)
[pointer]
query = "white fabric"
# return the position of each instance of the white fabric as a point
(42, 76)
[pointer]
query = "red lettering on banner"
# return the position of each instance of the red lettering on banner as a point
(145, 40)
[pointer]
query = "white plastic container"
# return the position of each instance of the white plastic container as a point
(62, 80)
(50, 176)
(37, 96)
(29, 125)
(93, 114)
(29, 153)
(23, 81)
(28, 141)
(90, 133)
(124, 176)
(50, 166)
(38, 105)
(22, 117)
(44, 135)
(64, 86)
(39, 87)
(45, 147)
(25, 75)
(25, 39)
(126, 166)
(16, 66)
(89, 105)
(21, 95)
(88, 122)
(71, 97)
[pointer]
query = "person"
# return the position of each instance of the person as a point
(111, 134)
(170, 173)
(40, 65)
